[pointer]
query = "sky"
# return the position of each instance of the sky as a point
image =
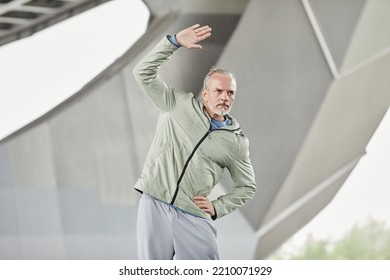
(71, 53)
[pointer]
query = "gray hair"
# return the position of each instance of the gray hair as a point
(220, 71)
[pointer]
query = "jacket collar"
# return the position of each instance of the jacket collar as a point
(234, 126)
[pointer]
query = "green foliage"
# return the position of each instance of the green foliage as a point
(314, 251)
(368, 242)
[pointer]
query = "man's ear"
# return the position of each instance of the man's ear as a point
(204, 95)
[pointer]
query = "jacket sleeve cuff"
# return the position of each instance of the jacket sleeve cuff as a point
(217, 209)
(173, 40)
(214, 217)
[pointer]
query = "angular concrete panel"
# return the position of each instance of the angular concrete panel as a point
(43, 247)
(81, 212)
(33, 215)
(31, 157)
(371, 39)
(5, 167)
(86, 247)
(121, 247)
(21, 18)
(10, 247)
(337, 21)
(9, 218)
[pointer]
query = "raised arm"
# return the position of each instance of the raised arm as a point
(147, 69)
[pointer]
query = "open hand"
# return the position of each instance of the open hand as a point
(205, 204)
(191, 36)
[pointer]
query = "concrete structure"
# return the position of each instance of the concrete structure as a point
(21, 18)
(312, 88)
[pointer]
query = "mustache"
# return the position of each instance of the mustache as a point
(224, 104)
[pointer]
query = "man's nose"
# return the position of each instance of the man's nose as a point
(224, 95)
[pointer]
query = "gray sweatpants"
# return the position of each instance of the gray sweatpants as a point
(166, 233)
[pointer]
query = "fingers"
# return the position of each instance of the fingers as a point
(191, 36)
(203, 32)
(194, 26)
(201, 199)
(200, 31)
(202, 202)
(205, 204)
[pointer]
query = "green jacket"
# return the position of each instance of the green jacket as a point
(186, 158)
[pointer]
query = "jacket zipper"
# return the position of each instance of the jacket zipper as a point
(186, 165)
(190, 157)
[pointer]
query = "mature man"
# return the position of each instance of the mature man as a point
(193, 144)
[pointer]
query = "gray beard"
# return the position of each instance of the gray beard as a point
(220, 112)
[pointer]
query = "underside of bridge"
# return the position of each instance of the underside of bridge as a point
(312, 88)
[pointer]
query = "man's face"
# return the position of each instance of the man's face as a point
(218, 96)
